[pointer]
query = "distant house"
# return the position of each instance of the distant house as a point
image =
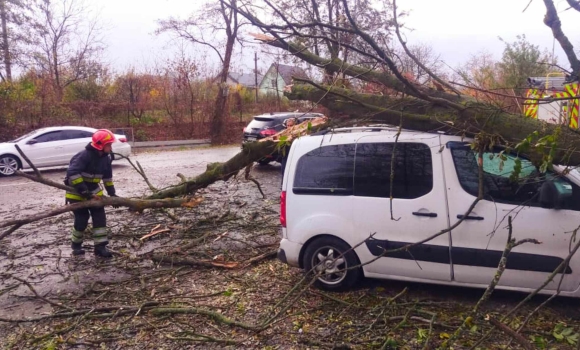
(278, 77)
(247, 80)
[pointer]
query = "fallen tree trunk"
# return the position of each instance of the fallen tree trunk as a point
(134, 204)
(251, 152)
(476, 118)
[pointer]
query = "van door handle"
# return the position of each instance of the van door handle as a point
(430, 215)
(469, 217)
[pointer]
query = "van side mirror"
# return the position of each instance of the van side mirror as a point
(553, 193)
(31, 142)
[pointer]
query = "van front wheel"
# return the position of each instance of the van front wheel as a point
(333, 261)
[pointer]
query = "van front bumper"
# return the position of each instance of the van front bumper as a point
(289, 252)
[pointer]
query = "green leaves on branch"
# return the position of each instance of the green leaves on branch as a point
(541, 149)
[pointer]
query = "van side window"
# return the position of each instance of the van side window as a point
(326, 170)
(413, 170)
(498, 182)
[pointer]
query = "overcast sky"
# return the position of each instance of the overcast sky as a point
(456, 29)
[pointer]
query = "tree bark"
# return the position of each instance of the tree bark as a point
(5, 41)
(220, 111)
(221, 102)
(552, 20)
(134, 204)
(575, 4)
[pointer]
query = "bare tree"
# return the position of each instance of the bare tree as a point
(206, 28)
(68, 41)
(15, 20)
(425, 54)
(134, 89)
(182, 92)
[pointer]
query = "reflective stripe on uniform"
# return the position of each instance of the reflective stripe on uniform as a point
(77, 236)
(100, 235)
(78, 197)
(76, 181)
(109, 183)
(74, 196)
(94, 178)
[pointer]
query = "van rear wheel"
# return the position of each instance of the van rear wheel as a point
(333, 261)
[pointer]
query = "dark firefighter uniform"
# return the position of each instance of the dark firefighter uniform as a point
(86, 171)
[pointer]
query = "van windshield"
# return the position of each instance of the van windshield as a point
(503, 184)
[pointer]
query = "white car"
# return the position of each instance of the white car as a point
(336, 212)
(54, 146)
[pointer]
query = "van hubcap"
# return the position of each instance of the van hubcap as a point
(8, 166)
(329, 265)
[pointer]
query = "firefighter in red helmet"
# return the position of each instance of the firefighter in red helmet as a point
(85, 172)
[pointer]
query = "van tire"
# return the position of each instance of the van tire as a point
(332, 249)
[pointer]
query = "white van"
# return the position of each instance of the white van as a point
(336, 196)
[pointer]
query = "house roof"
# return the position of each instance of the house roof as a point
(245, 79)
(287, 72)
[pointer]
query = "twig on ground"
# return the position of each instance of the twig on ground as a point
(10, 230)
(154, 232)
(518, 337)
(249, 177)
(428, 340)
(39, 296)
(196, 337)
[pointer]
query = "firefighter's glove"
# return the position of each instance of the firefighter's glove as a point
(114, 205)
(87, 194)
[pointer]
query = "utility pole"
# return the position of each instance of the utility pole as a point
(256, 73)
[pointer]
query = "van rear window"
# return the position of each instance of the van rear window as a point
(261, 123)
(326, 170)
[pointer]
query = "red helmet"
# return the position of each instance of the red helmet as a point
(101, 138)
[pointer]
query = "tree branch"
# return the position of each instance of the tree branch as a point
(552, 20)
(575, 4)
(415, 59)
(135, 204)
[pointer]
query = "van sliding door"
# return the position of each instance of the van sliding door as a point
(417, 212)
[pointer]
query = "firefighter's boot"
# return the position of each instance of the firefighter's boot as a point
(101, 250)
(77, 248)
